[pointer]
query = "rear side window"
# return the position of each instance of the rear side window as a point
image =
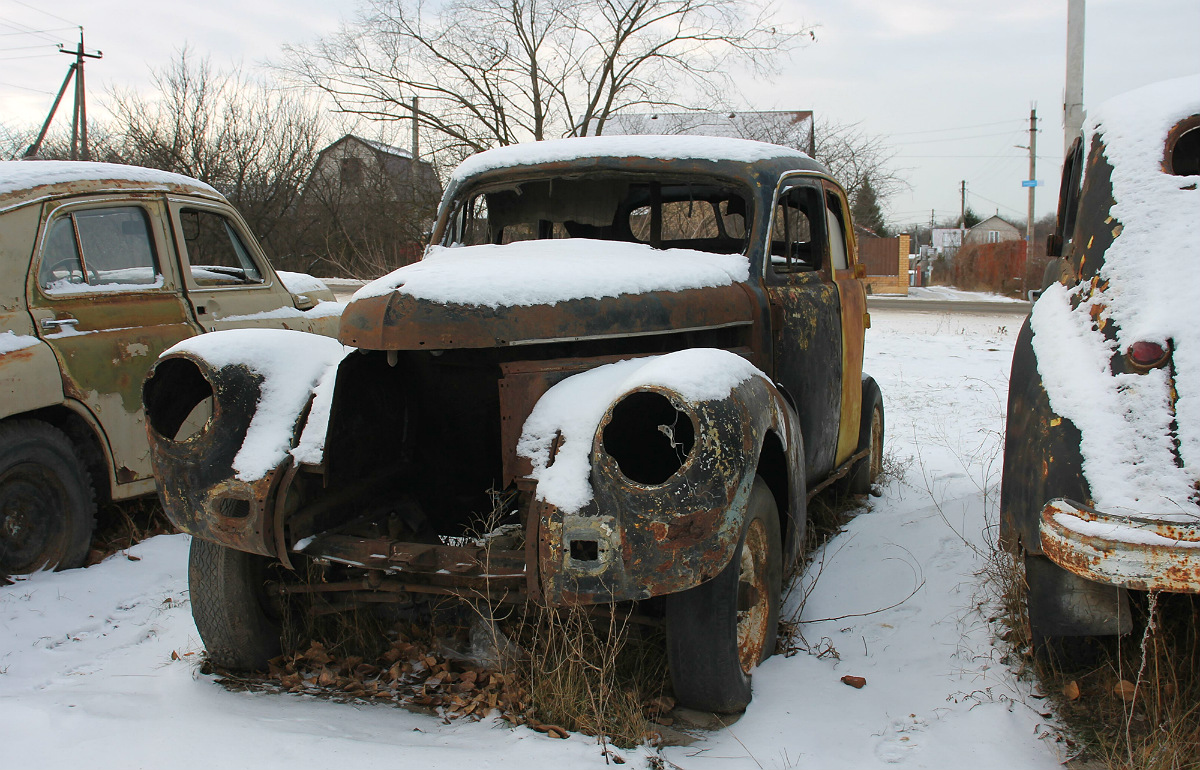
(215, 251)
(106, 249)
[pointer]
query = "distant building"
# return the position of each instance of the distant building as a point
(355, 164)
(947, 240)
(792, 128)
(993, 230)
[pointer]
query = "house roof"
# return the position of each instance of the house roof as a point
(992, 220)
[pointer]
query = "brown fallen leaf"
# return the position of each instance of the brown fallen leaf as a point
(174, 655)
(1070, 690)
(131, 557)
(1124, 689)
(857, 682)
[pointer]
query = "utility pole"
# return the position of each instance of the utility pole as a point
(79, 117)
(962, 208)
(416, 136)
(1032, 177)
(1073, 95)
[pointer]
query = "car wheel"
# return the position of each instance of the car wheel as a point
(720, 630)
(1052, 593)
(237, 618)
(864, 473)
(47, 503)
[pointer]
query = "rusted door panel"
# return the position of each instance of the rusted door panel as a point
(106, 340)
(854, 313)
(808, 362)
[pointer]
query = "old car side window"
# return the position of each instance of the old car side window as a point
(795, 233)
(835, 226)
(215, 251)
(105, 249)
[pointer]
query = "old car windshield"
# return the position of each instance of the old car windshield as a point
(698, 213)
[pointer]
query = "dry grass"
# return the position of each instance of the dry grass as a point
(124, 524)
(1136, 705)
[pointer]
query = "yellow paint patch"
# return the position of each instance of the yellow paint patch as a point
(1055, 422)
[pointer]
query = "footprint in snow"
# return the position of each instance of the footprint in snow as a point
(900, 739)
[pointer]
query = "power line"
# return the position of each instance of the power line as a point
(957, 138)
(25, 29)
(45, 12)
(26, 88)
(956, 128)
(30, 56)
(24, 47)
(32, 31)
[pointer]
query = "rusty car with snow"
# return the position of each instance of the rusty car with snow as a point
(634, 358)
(1101, 487)
(103, 267)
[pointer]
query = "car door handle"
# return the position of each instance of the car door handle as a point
(57, 324)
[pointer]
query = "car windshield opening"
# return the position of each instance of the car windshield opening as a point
(700, 213)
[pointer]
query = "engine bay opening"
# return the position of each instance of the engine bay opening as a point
(648, 437)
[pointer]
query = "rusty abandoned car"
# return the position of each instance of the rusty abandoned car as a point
(1102, 453)
(639, 355)
(103, 267)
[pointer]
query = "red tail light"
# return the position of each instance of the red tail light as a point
(1147, 355)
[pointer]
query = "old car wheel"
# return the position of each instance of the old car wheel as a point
(1062, 652)
(866, 471)
(720, 630)
(237, 618)
(47, 504)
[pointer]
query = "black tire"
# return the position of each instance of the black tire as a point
(237, 619)
(865, 472)
(1063, 652)
(720, 630)
(47, 502)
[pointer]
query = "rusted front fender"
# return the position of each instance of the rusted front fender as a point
(198, 487)
(1141, 553)
(638, 540)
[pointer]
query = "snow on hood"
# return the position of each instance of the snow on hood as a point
(673, 147)
(25, 174)
(1152, 270)
(545, 272)
(301, 283)
(575, 406)
(292, 364)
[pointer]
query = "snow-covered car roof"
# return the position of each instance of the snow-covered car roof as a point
(678, 147)
(22, 181)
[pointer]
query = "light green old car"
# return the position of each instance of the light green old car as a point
(102, 268)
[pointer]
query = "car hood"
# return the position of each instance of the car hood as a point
(549, 290)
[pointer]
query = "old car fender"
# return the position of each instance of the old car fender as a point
(197, 416)
(644, 536)
(1041, 453)
(29, 378)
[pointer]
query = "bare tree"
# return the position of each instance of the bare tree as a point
(253, 143)
(854, 157)
(496, 72)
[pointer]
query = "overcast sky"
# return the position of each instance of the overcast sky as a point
(948, 83)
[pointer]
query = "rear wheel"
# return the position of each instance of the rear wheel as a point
(236, 616)
(47, 503)
(720, 630)
(865, 472)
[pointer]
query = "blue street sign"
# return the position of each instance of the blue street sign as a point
(1031, 182)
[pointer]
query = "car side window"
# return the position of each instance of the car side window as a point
(215, 251)
(835, 226)
(796, 245)
(104, 249)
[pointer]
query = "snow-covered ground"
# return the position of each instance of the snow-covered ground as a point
(98, 667)
(950, 294)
